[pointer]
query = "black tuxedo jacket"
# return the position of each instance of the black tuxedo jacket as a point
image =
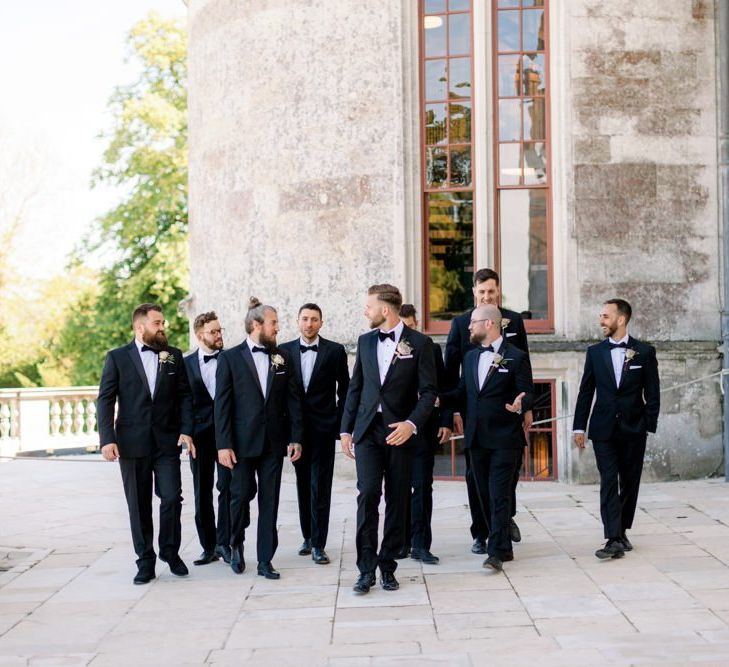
(443, 414)
(143, 420)
(243, 418)
(487, 421)
(634, 405)
(459, 341)
(408, 392)
(323, 401)
(201, 400)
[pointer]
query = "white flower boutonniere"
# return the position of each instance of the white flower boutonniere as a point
(276, 361)
(505, 322)
(403, 349)
(166, 358)
(499, 361)
(630, 354)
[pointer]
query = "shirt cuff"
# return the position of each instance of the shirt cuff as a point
(341, 434)
(456, 414)
(577, 430)
(415, 428)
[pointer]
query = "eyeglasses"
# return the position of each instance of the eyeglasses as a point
(484, 320)
(215, 332)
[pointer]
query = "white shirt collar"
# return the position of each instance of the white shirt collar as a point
(139, 344)
(397, 329)
(307, 344)
(202, 353)
(495, 344)
(624, 339)
(251, 344)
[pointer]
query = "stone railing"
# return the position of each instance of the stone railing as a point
(47, 419)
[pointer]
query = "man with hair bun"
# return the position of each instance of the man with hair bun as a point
(258, 421)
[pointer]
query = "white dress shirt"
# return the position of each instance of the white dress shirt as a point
(308, 359)
(150, 361)
(262, 362)
(386, 351)
(207, 370)
(618, 357)
(485, 360)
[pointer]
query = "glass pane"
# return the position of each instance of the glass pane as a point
(435, 6)
(533, 30)
(508, 31)
(523, 233)
(460, 126)
(535, 122)
(458, 5)
(450, 253)
(461, 167)
(435, 124)
(532, 3)
(435, 35)
(535, 163)
(459, 84)
(534, 74)
(509, 164)
(508, 3)
(460, 34)
(509, 120)
(436, 167)
(435, 79)
(509, 75)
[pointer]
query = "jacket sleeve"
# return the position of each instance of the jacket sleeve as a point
(446, 413)
(108, 390)
(354, 393)
(584, 397)
(453, 359)
(652, 392)
(184, 394)
(521, 336)
(294, 405)
(223, 404)
(427, 386)
(524, 383)
(342, 382)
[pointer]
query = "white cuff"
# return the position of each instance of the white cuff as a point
(577, 430)
(415, 428)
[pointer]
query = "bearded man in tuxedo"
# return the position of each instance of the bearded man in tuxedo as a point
(391, 395)
(147, 381)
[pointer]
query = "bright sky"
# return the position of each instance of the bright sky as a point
(60, 61)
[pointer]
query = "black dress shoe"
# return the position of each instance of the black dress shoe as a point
(319, 556)
(388, 581)
(506, 557)
(365, 581)
(266, 570)
(627, 545)
(305, 548)
(613, 549)
(424, 556)
(494, 563)
(237, 562)
(206, 557)
(514, 531)
(479, 546)
(177, 566)
(403, 553)
(144, 576)
(223, 551)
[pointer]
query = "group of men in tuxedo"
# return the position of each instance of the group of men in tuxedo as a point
(241, 410)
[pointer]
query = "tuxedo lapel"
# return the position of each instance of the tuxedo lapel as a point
(608, 357)
(624, 371)
(196, 374)
(492, 367)
(248, 358)
(269, 378)
(158, 378)
(296, 358)
(137, 363)
(393, 361)
(323, 347)
(371, 348)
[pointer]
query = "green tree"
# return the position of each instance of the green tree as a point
(145, 235)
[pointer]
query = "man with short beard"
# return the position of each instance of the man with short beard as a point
(148, 382)
(391, 395)
(258, 421)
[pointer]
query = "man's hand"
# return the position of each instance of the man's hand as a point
(528, 419)
(187, 440)
(516, 405)
(226, 457)
(110, 452)
(401, 434)
(457, 424)
(579, 440)
(294, 451)
(347, 445)
(444, 434)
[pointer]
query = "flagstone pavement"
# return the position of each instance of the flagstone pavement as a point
(66, 593)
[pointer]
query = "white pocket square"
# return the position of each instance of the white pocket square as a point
(405, 356)
(503, 370)
(280, 372)
(510, 334)
(631, 368)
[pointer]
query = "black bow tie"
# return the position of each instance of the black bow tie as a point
(382, 335)
(304, 348)
(614, 345)
(486, 348)
(208, 357)
(255, 348)
(147, 348)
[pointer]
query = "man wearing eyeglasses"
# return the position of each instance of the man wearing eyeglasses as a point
(201, 366)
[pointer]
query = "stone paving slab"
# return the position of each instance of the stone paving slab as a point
(66, 596)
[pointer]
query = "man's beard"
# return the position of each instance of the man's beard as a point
(269, 342)
(376, 321)
(214, 344)
(476, 339)
(157, 340)
(611, 329)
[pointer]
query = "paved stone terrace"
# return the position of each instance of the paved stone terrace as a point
(66, 596)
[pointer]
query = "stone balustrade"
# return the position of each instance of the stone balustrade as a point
(47, 419)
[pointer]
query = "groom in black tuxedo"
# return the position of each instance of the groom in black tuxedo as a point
(258, 421)
(495, 386)
(320, 366)
(146, 379)
(391, 395)
(624, 373)
(202, 365)
(486, 291)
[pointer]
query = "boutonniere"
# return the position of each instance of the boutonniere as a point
(403, 349)
(630, 354)
(276, 361)
(499, 361)
(166, 358)
(505, 322)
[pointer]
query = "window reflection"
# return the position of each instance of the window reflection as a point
(435, 79)
(533, 30)
(435, 35)
(436, 131)
(509, 120)
(535, 122)
(435, 6)
(509, 75)
(460, 123)
(461, 167)
(535, 163)
(508, 31)
(509, 164)
(534, 78)
(436, 167)
(459, 34)
(459, 83)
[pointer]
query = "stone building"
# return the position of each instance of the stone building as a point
(570, 144)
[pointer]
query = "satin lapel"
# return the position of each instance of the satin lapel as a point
(475, 371)
(158, 378)
(371, 348)
(492, 368)
(137, 362)
(624, 372)
(403, 337)
(269, 377)
(607, 355)
(248, 358)
(196, 374)
(323, 347)
(296, 357)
